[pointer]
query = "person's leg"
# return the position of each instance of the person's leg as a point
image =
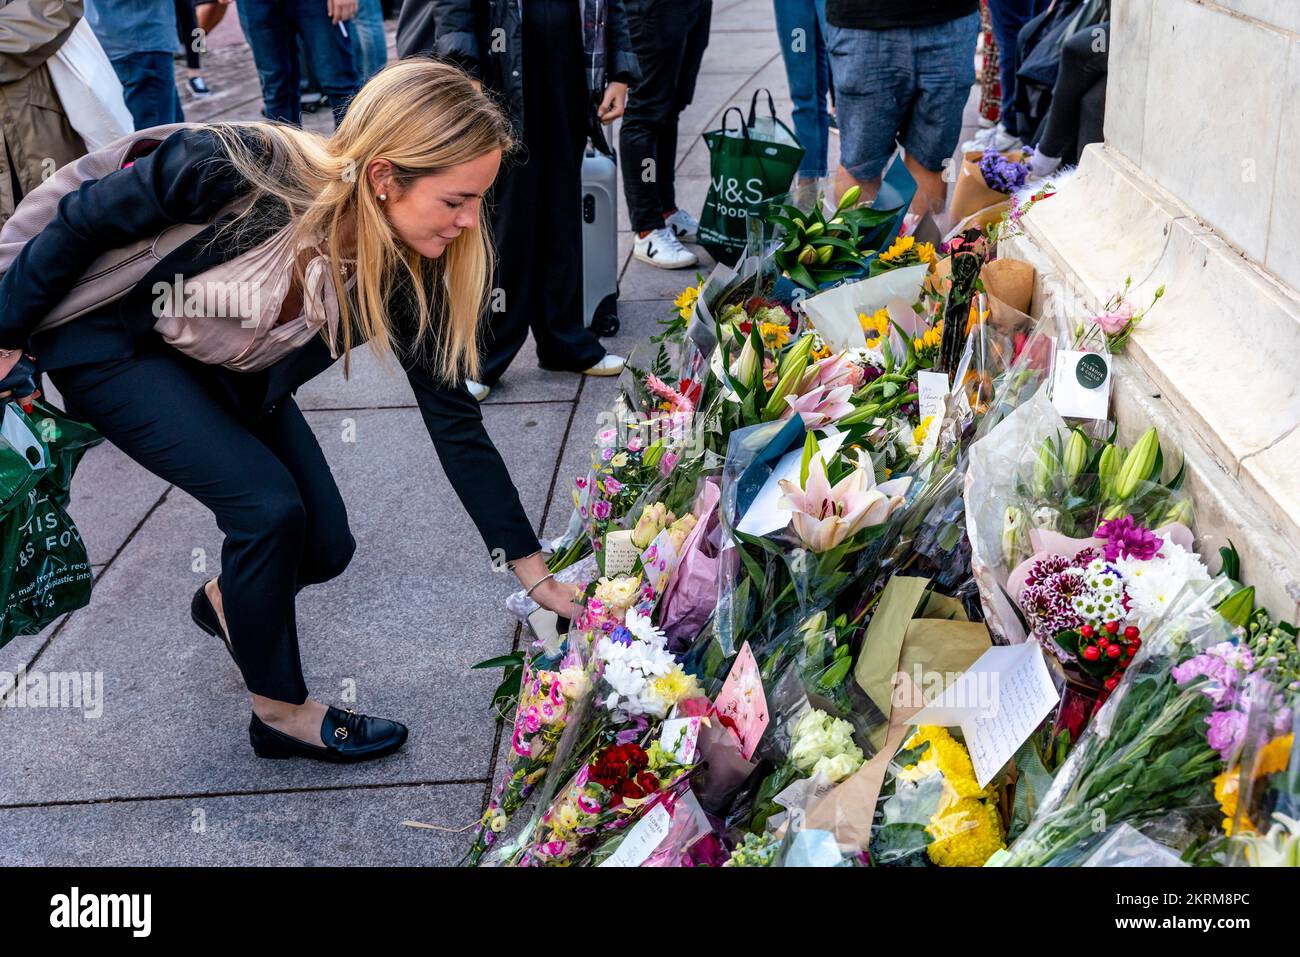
(1008, 16)
(149, 88)
(328, 50)
(1083, 62)
(188, 434)
(874, 86)
(555, 120)
(698, 18)
(658, 45)
(275, 53)
(803, 51)
(187, 26)
(1092, 115)
(369, 46)
(516, 224)
(945, 58)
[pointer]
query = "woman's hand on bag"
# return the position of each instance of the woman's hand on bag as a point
(7, 364)
(613, 103)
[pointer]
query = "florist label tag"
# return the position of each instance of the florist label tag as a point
(659, 561)
(646, 835)
(997, 703)
(741, 704)
(620, 553)
(1081, 384)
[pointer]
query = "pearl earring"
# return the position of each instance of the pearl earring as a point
(383, 196)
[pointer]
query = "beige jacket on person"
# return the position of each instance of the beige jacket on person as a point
(35, 132)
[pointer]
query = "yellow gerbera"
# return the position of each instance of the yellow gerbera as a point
(685, 301)
(876, 327)
(898, 250)
(925, 252)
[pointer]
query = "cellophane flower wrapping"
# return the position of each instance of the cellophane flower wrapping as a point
(551, 704)
(1146, 751)
(931, 810)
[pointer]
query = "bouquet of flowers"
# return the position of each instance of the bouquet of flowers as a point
(932, 803)
(822, 751)
(609, 793)
(1003, 174)
(1089, 608)
(1148, 750)
(548, 700)
(903, 252)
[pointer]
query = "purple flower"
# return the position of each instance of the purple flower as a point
(621, 635)
(1002, 174)
(1227, 728)
(1125, 538)
(601, 509)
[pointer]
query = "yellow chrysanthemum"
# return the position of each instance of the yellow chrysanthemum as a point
(966, 832)
(948, 756)
(685, 301)
(925, 252)
(1272, 758)
(898, 250)
(774, 334)
(675, 686)
(876, 326)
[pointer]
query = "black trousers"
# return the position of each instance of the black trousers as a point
(669, 38)
(1075, 117)
(536, 205)
(263, 475)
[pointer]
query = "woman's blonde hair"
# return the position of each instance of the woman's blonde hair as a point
(423, 117)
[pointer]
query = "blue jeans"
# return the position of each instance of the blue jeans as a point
(1008, 16)
(274, 29)
(149, 88)
(369, 47)
(801, 29)
(905, 86)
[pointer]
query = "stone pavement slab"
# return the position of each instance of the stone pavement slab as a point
(334, 828)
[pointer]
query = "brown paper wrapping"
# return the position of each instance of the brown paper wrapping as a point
(971, 194)
(1010, 286)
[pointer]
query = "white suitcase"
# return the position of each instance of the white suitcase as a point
(600, 242)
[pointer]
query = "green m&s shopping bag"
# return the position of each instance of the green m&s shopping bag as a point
(747, 165)
(44, 569)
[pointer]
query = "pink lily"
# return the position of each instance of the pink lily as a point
(820, 406)
(826, 515)
(833, 371)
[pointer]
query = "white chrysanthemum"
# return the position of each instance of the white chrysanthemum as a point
(630, 671)
(644, 629)
(1152, 585)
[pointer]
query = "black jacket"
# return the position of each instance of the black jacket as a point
(485, 37)
(185, 180)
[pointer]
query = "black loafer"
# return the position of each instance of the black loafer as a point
(348, 737)
(205, 616)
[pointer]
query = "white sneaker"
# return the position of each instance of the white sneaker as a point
(996, 137)
(609, 365)
(477, 389)
(684, 226)
(662, 248)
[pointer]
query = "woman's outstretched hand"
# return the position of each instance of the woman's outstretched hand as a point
(550, 594)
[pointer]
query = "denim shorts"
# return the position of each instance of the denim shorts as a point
(905, 86)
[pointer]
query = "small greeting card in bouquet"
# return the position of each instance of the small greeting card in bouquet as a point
(741, 704)
(659, 561)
